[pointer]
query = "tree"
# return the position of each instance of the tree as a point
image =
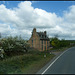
(55, 42)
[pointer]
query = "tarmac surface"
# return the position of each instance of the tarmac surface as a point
(62, 63)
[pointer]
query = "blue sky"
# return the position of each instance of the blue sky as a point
(20, 17)
(54, 6)
(50, 6)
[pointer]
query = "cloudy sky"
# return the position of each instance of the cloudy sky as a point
(20, 17)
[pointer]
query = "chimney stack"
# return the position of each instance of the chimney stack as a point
(45, 32)
(34, 30)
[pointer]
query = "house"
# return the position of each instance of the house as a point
(39, 40)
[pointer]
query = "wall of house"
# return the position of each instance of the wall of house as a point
(37, 43)
(44, 45)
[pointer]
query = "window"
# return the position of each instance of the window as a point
(42, 47)
(42, 44)
(32, 42)
(41, 36)
(45, 36)
(45, 42)
(45, 47)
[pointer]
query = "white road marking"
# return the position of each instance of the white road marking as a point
(53, 62)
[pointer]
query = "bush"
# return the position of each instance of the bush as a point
(14, 44)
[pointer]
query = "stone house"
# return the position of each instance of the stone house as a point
(39, 40)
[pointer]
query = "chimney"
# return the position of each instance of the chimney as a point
(45, 32)
(34, 30)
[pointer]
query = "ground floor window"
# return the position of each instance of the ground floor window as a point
(42, 44)
(45, 47)
(32, 42)
(42, 47)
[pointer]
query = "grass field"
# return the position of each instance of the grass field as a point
(27, 63)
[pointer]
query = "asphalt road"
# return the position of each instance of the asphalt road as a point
(63, 64)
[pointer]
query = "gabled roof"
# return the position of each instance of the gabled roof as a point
(42, 36)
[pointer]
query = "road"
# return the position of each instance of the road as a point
(63, 64)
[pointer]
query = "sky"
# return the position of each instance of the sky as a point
(55, 17)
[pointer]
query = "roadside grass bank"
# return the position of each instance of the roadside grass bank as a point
(28, 63)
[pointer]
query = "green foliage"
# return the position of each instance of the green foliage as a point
(14, 44)
(56, 43)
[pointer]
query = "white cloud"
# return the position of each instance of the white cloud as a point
(69, 15)
(23, 18)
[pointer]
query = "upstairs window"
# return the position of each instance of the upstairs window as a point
(41, 36)
(42, 44)
(47, 42)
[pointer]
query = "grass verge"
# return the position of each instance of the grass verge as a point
(28, 63)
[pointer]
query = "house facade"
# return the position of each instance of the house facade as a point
(39, 40)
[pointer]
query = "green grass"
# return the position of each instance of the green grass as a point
(25, 64)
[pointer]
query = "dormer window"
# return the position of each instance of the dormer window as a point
(45, 36)
(41, 36)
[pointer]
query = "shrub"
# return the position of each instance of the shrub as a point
(14, 44)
